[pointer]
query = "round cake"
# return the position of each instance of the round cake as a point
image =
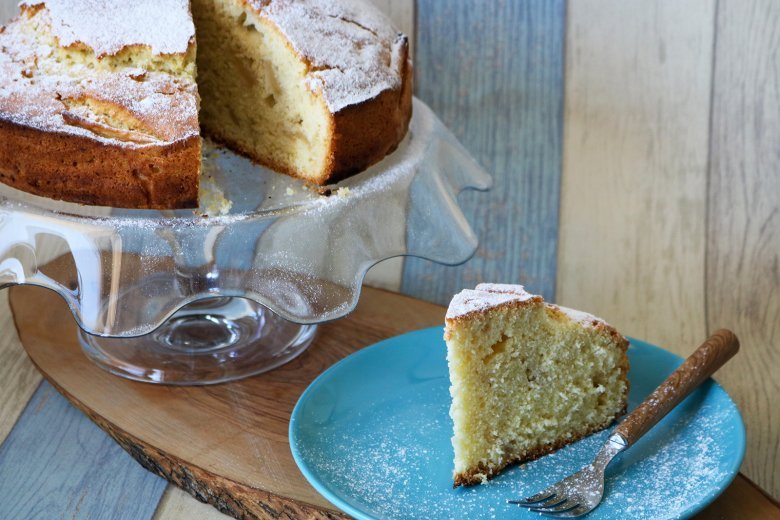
(99, 101)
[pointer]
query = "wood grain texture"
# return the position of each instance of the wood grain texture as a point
(743, 239)
(225, 443)
(700, 365)
(493, 72)
(632, 231)
(56, 463)
(742, 500)
(8, 9)
(177, 504)
(228, 496)
(18, 377)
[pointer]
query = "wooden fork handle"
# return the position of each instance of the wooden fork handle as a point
(709, 357)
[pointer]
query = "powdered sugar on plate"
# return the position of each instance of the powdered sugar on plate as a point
(373, 435)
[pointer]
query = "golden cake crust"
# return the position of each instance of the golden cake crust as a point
(478, 475)
(79, 169)
(93, 132)
(365, 133)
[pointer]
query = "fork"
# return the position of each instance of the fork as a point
(581, 493)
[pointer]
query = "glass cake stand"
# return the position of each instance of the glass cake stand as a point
(236, 287)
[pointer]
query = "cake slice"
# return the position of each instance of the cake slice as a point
(98, 103)
(527, 377)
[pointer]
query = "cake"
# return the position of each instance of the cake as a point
(527, 377)
(317, 89)
(99, 101)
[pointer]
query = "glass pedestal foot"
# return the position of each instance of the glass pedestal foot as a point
(207, 342)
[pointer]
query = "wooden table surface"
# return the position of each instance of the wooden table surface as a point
(635, 147)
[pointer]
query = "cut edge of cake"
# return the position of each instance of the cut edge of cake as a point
(319, 109)
(469, 307)
(108, 91)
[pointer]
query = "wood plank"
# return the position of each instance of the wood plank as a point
(225, 443)
(8, 9)
(18, 376)
(56, 463)
(493, 72)
(632, 231)
(743, 246)
(741, 500)
(178, 504)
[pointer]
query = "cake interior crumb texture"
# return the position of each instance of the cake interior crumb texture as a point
(527, 378)
(243, 61)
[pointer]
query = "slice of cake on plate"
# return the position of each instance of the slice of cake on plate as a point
(527, 377)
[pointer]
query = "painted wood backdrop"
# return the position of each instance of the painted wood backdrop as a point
(636, 152)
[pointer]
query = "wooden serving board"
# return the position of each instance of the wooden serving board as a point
(225, 444)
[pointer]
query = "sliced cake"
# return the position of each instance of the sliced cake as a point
(99, 102)
(527, 377)
(317, 89)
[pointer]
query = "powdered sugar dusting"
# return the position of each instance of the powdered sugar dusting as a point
(486, 296)
(581, 317)
(356, 54)
(670, 479)
(468, 301)
(489, 295)
(107, 27)
(39, 90)
(389, 455)
(505, 288)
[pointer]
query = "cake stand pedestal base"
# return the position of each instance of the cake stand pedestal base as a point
(209, 341)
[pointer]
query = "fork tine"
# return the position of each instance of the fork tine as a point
(552, 502)
(561, 507)
(533, 499)
(572, 513)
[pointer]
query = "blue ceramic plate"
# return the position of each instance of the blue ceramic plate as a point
(372, 435)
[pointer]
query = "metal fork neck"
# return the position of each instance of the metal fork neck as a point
(614, 445)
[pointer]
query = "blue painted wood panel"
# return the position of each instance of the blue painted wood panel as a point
(493, 72)
(56, 463)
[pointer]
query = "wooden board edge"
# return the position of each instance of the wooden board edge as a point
(227, 496)
(769, 498)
